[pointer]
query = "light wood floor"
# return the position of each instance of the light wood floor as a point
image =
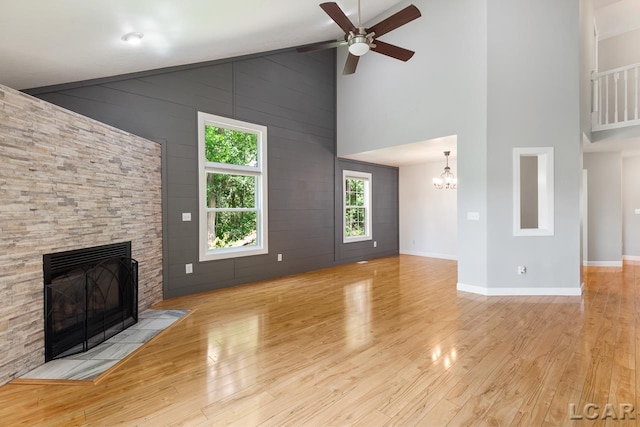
(390, 342)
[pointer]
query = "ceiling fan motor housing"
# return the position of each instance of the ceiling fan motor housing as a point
(358, 44)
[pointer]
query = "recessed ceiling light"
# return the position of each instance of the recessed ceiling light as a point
(133, 38)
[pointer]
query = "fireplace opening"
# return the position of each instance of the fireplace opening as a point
(90, 295)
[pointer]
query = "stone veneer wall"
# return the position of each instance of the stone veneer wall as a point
(67, 182)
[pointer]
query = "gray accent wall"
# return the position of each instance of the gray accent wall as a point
(294, 95)
(604, 176)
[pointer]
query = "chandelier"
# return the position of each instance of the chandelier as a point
(447, 179)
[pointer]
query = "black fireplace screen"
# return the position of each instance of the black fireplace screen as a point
(90, 295)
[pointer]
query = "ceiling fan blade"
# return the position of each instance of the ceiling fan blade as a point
(351, 64)
(393, 51)
(396, 20)
(320, 46)
(335, 13)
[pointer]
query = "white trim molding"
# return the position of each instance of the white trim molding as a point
(631, 258)
(481, 290)
(367, 179)
(603, 263)
(258, 170)
(429, 255)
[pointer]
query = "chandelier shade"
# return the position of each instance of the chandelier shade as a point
(447, 180)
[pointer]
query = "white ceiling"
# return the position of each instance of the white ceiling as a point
(45, 42)
(410, 154)
(628, 147)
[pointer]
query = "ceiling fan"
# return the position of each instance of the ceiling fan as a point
(360, 39)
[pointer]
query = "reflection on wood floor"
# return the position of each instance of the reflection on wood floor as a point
(390, 342)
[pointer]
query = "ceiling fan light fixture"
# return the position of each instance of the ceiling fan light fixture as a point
(358, 45)
(133, 38)
(361, 40)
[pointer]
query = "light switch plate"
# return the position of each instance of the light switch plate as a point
(637, 211)
(186, 216)
(473, 216)
(188, 268)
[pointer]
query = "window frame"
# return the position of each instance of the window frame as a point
(368, 184)
(261, 192)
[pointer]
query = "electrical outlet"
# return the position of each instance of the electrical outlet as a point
(522, 269)
(186, 216)
(375, 244)
(473, 216)
(637, 211)
(279, 257)
(188, 268)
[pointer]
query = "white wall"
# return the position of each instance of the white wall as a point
(498, 74)
(428, 216)
(441, 91)
(630, 202)
(587, 63)
(619, 51)
(605, 208)
(534, 101)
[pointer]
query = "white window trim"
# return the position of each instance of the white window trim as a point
(260, 171)
(367, 177)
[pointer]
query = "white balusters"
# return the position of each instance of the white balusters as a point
(635, 98)
(605, 99)
(616, 77)
(626, 88)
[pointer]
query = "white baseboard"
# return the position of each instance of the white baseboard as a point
(603, 263)
(480, 290)
(630, 258)
(429, 255)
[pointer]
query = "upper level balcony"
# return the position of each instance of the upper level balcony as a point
(615, 98)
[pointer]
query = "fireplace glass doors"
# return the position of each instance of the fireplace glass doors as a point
(90, 295)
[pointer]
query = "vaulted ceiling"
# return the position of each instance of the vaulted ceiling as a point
(50, 42)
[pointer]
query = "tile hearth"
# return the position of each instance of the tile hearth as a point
(91, 364)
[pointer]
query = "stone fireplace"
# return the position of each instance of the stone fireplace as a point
(67, 182)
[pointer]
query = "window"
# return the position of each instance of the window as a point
(232, 161)
(357, 206)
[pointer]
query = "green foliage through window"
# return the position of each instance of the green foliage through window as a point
(228, 192)
(231, 147)
(355, 214)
